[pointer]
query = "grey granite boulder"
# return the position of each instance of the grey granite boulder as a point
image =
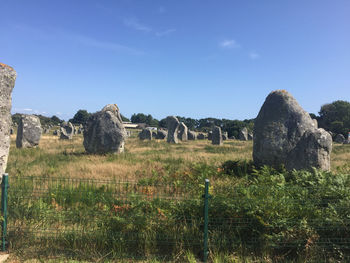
(182, 132)
(224, 136)
(56, 132)
(29, 132)
(191, 135)
(145, 134)
(285, 134)
(104, 131)
(216, 136)
(173, 126)
(243, 134)
(7, 82)
(339, 138)
(161, 134)
(66, 131)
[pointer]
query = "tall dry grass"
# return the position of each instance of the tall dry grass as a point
(67, 158)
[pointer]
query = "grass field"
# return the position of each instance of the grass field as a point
(268, 201)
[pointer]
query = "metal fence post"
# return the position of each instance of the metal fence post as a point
(4, 188)
(206, 217)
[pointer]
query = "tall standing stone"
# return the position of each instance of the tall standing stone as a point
(66, 131)
(216, 138)
(29, 131)
(284, 134)
(182, 133)
(104, 131)
(7, 82)
(173, 126)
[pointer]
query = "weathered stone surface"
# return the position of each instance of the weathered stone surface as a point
(29, 132)
(161, 134)
(339, 138)
(7, 82)
(173, 126)
(315, 123)
(232, 137)
(104, 131)
(250, 136)
(12, 131)
(182, 132)
(66, 131)
(224, 136)
(243, 134)
(216, 136)
(284, 134)
(200, 136)
(312, 150)
(191, 135)
(145, 134)
(56, 132)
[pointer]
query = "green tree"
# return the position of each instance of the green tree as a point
(335, 117)
(80, 117)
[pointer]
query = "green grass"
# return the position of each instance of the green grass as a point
(57, 211)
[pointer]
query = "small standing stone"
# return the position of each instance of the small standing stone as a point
(339, 138)
(200, 136)
(224, 136)
(145, 134)
(161, 134)
(28, 132)
(216, 136)
(243, 134)
(192, 135)
(66, 131)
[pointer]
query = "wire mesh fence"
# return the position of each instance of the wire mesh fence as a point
(140, 219)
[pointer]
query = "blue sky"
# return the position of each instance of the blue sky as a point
(190, 58)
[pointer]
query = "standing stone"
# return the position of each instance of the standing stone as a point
(200, 136)
(12, 131)
(210, 135)
(66, 131)
(182, 132)
(161, 134)
(224, 136)
(146, 134)
(56, 132)
(250, 136)
(339, 138)
(104, 131)
(173, 126)
(28, 132)
(7, 82)
(315, 123)
(232, 137)
(216, 136)
(284, 134)
(191, 135)
(243, 134)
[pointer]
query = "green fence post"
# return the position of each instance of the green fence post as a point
(4, 188)
(206, 217)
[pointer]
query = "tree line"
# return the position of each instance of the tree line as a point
(334, 117)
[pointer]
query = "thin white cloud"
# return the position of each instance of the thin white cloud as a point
(87, 41)
(229, 43)
(135, 24)
(253, 55)
(51, 33)
(165, 32)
